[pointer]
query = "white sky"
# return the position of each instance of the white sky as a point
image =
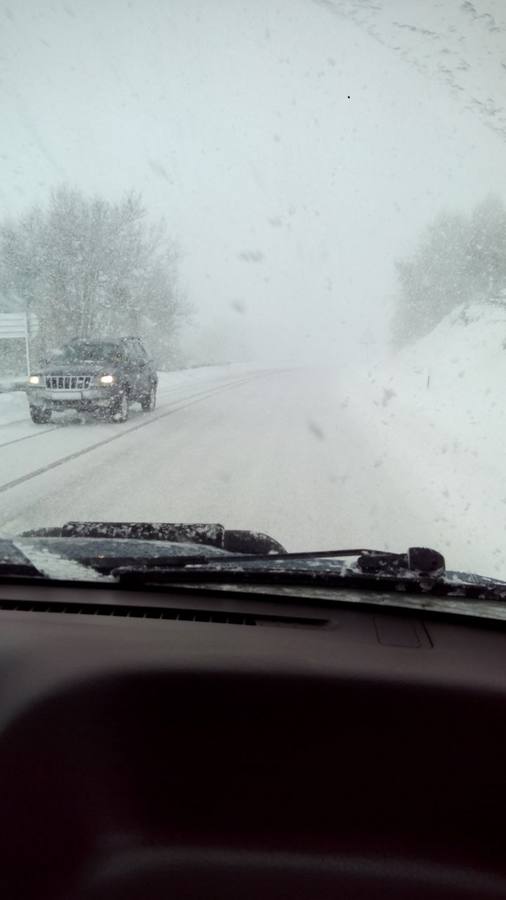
(293, 154)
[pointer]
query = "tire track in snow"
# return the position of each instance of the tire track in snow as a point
(39, 432)
(184, 404)
(28, 437)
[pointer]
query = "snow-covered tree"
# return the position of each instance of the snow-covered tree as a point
(486, 269)
(87, 267)
(460, 259)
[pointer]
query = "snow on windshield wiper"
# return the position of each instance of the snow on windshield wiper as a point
(201, 533)
(14, 563)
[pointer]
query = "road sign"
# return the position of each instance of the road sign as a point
(14, 326)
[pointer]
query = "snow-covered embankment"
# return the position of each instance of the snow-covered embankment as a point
(440, 412)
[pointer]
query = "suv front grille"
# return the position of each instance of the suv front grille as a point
(68, 382)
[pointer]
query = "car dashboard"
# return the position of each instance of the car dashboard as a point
(197, 744)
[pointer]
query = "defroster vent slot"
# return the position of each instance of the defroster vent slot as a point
(157, 612)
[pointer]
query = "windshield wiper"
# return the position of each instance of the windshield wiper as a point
(420, 567)
(14, 563)
(420, 560)
(419, 571)
(201, 533)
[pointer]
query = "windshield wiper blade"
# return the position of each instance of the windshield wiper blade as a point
(419, 560)
(206, 534)
(419, 567)
(419, 571)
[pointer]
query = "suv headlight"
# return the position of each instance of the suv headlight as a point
(106, 379)
(35, 379)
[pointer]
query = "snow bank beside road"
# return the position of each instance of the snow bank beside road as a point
(12, 383)
(13, 407)
(458, 371)
(437, 412)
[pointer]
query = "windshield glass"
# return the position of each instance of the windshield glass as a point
(296, 214)
(84, 352)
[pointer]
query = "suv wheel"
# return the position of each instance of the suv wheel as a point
(148, 402)
(119, 412)
(40, 415)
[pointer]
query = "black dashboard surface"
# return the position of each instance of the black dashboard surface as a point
(243, 748)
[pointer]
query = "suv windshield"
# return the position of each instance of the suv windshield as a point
(84, 352)
(291, 217)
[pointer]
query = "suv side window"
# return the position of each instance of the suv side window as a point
(136, 349)
(119, 354)
(127, 352)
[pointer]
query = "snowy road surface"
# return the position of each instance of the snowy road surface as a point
(307, 455)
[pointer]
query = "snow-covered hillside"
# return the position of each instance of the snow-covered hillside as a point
(455, 376)
(442, 416)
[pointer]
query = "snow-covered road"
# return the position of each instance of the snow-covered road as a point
(308, 455)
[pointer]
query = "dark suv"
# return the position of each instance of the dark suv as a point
(98, 376)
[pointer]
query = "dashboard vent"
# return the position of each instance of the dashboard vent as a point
(156, 612)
